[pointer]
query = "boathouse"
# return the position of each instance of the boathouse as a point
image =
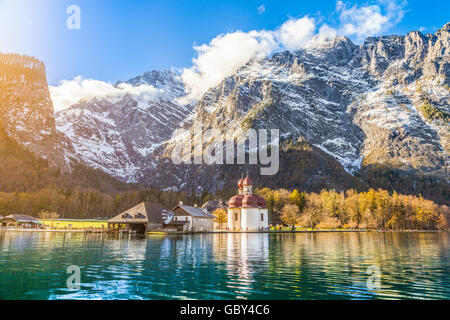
(198, 219)
(20, 220)
(144, 217)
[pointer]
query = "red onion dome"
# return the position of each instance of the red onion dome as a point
(250, 201)
(247, 182)
(235, 202)
(262, 202)
(240, 184)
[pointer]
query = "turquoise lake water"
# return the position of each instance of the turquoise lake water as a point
(226, 266)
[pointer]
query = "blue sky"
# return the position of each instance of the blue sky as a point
(121, 39)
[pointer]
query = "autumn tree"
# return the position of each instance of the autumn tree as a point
(298, 199)
(48, 215)
(221, 217)
(290, 215)
(281, 198)
(329, 223)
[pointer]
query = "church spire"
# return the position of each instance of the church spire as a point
(247, 185)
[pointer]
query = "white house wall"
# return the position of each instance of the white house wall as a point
(234, 224)
(249, 219)
(196, 223)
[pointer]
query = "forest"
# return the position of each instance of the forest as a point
(83, 203)
(29, 186)
(374, 209)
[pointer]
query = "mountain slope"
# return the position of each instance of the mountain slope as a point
(119, 134)
(26, 110)
(384, 103)
(32, 154)
(22, 171)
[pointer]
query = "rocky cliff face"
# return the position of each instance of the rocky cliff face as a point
(120, 134)
(26, 110)
(385, 102)
(405, 117)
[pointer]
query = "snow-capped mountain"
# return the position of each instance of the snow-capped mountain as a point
(385, 102)
(381, 105)
(119, 134)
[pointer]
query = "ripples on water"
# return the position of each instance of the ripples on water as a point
(225, 266)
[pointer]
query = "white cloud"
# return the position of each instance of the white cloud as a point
(295, 33)
(362, 22)
(326, 32)
(226, 53)
(261, 9)
(70, 92)
(223, 56)
(370, 20)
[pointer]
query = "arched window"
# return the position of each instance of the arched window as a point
(262, 216)
(236, 217)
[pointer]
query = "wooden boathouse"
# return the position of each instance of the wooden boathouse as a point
(144, 217)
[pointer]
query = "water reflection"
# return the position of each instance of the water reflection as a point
(225, 266)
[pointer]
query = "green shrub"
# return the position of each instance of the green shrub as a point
(434, 113)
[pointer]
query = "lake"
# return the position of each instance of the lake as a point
(34, 265)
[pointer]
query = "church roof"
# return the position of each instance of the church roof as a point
(262, 202)
(247, 200)
(250, 201)
(236, 201)
(247, 181)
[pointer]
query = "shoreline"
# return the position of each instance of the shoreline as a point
(298, 231)
(162, 233)
(39, 230)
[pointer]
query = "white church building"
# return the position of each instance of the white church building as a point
(247, 212)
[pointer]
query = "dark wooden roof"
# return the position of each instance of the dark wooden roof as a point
(144, 212)
(22, 217)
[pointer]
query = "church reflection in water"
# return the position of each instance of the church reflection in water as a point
(242, 254)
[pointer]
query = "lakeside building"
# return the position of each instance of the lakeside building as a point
(20, 220)
(246, 211)
(196, 218)
(147, 216)
(144, 217)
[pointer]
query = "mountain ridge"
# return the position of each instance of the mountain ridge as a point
(354, 108)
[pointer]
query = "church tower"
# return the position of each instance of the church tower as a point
(247, 212)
